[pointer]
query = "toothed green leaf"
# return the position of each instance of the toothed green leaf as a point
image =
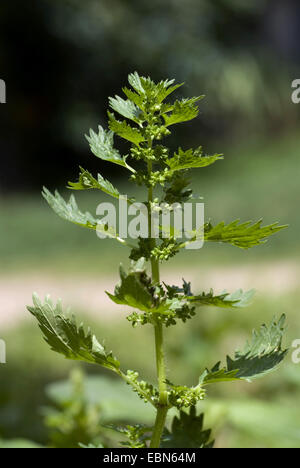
(217, 375)
(137, 436)
(65, 337)
(137, 99)
(70, 212)
(166, 89)
(136, 290)
(86, 182)
(177, 189)
(191, 159)
(236, 299)
(187, 432)
(102, 146)
(259, 357)
(182, 111)
(158, 91)
(126, 108)
(135, 81)
(153, 91)
(132, 291)
(124, 130)
(244, 235)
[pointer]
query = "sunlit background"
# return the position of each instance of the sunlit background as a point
(61, 59)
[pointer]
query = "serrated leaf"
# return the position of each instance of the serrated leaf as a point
(236, 299)
(259, 357)
(182, 111)
(191, 159)
(137, 99)
(217, 375)
(102, 146)
(124, 130)
(166, 89)
(187, 432)
(159, 91)
(177, 190)
(263, 354)
(126, 108)
(132, 291)
(87, 182)
(242, 235)
(137, 435)
(135, 81)
(65, 337)
(70, 212)
(136, 290)
(153, 91)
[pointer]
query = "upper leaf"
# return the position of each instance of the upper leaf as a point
(124, 130)
(133, 289)
(136, 98)
(86, 182)
(70, 212)
(126, 108)
(102, 146)
(146, 88)
(135, 81)
(191, 159)
(236, 299)
(136, 290)
(182, 111)
(187, 432)
(259, 357)
(65, 337)
(244, 235)
(177, 191)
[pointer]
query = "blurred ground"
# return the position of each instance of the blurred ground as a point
(87, 293)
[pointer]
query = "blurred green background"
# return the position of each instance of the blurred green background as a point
(60, 60)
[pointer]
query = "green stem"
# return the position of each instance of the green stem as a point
(159, 426)
(162, 407)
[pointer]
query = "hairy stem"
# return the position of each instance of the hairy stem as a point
(162, 408)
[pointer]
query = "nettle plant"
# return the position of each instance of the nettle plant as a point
(149, 118)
